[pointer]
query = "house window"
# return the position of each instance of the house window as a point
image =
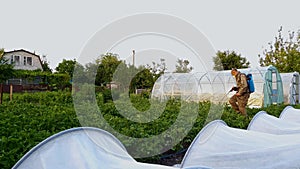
(29, 60)
(11, 59)
(17, 60)
(24, 60)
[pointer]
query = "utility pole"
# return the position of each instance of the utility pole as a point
(133, 55)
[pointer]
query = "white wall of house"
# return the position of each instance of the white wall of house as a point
(23, 60)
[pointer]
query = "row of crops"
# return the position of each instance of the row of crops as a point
(32, 117)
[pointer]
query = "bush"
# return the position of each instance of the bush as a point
(55, 81)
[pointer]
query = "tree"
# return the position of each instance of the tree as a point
(157, 69)
(144, 79)
(45, 65)
(183, 66)
(1, 52)
(107, 65)
(227, 60)
(66, 67)
(284, 53)
(6, 71)
(79, 74)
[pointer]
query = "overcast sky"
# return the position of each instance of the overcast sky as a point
(61, 29)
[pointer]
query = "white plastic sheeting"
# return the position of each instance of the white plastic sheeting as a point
(189, 86)
(290, 114)
(212, 86)
(263, 122)
(291, 87)
(199, 86)
(81, 148)
(219, 146)
(182, 85)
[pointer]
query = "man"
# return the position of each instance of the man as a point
(239, 100)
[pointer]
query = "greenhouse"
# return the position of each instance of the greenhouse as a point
(290, 82)
(214, 86)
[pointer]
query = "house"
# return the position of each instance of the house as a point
(112, 85)
(23, 59)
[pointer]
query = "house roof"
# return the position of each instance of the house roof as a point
(23, 50)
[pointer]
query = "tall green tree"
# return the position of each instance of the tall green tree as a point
(1, 52)
(283, 53)
(109, 68)
(227, 60)
(106, 66)
(182, 66)
(45, 64)
(129, 78)
(144, 79)
(79, 74)
(157, 69)
(6, 71)
(66, 67)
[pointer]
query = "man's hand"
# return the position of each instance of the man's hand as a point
(234, 89)
(237, 94)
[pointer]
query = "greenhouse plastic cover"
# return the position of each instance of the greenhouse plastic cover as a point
(212, 86)
(82, 148)
(220, 146)
(290, 114)
(291, 87)
(266, 123)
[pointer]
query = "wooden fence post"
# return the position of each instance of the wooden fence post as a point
(10, 92)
